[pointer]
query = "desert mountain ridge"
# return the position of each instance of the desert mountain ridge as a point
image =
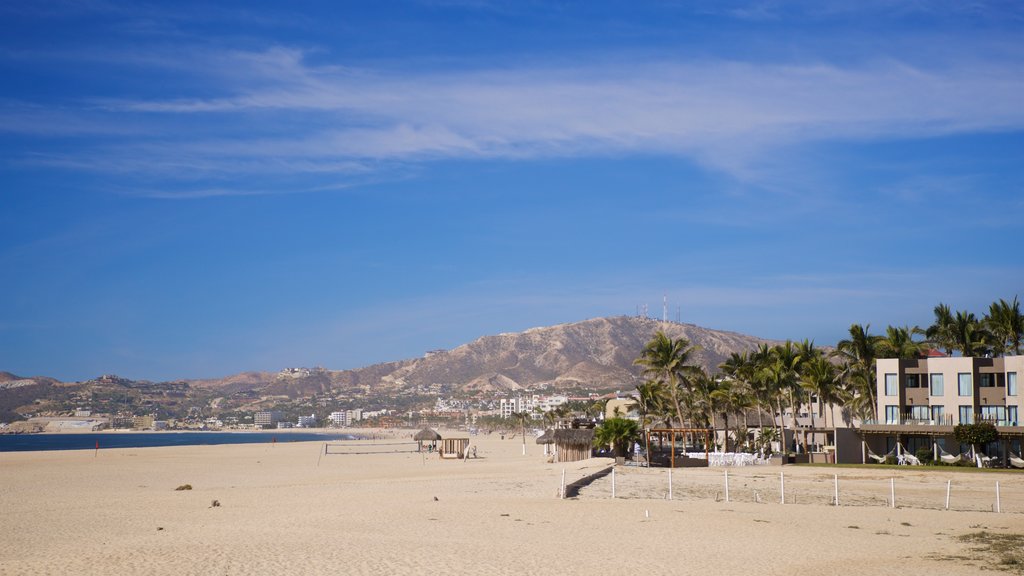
(591, 355)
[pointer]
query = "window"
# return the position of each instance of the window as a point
(1011, 383)
(891, 386)
(967, 415)
(987, 381)
(938, 414)
(937, 389)
(913, 381)
(1011, 415)
(892, 414)
(964, 384)
(919, 412)
(993, 413)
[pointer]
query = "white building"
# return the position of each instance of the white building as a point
(306, 421)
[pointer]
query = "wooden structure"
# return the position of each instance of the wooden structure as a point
(673, 434)
(453, 447)
(426, 435)
(572, 445)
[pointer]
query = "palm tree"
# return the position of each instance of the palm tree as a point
(940, 333)
(857, 357)
(522, 418)
(666, 360)
(899, 342)
(779, 374)
(741, 367)
(731, 397)
(1006, 325)
(651, 401)
(969, 336)
(700, 405)
(617, 433)
(820, 378)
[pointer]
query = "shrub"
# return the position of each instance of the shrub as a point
(976, 434)
(925, 455)
(184, 487)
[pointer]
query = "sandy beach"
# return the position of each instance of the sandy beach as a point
(286, 507)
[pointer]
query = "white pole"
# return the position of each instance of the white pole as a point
(727, 485)
(782, 486)
(562, 491)
(892, 490)
(948, 482)
(669, 483)
(613, 482)
(836, 477)
(997, 498)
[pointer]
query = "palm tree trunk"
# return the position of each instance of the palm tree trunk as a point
(725, 416)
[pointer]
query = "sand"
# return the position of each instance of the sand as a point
(286, 508)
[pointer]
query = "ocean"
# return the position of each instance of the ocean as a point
(30, 442)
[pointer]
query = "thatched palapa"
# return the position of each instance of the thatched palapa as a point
(546, 438)
(573, 444)
(427, 435)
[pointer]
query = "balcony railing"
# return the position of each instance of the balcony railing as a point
(946, 420)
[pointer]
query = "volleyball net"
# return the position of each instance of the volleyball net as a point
(353, 448)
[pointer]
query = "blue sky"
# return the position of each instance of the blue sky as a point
(192, 191)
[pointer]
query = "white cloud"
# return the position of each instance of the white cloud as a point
(289, 116)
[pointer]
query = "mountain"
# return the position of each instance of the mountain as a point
(593, 354)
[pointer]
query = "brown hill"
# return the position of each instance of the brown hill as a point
(593, 354)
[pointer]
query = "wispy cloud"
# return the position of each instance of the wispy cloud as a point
(728, 115)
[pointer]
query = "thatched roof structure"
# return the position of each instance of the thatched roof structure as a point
(426, 435)
(574, 437)
(546, 438)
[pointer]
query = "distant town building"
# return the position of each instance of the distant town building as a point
(142, 422)
(266, 418)
(306, 421)
(510, 406)
(338, 418)
(122, 421)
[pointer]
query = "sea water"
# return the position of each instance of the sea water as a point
(29, 442)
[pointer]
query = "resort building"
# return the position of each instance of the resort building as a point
(509, 406)
(266, 418)
(920, 401)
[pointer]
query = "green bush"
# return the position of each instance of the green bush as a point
(925, 455)
(976, 434)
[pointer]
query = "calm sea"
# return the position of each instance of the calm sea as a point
(28, 442)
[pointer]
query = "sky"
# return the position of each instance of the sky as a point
(193, 190)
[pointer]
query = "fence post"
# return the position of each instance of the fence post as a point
(613, 482)
(892, 490)
(997, 498)
(562, 491)
(782, 486)
(836, 477)
(669, 483)
(948, 482)
(727, 485)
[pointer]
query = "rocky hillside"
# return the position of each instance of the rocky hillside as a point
(593, 354)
